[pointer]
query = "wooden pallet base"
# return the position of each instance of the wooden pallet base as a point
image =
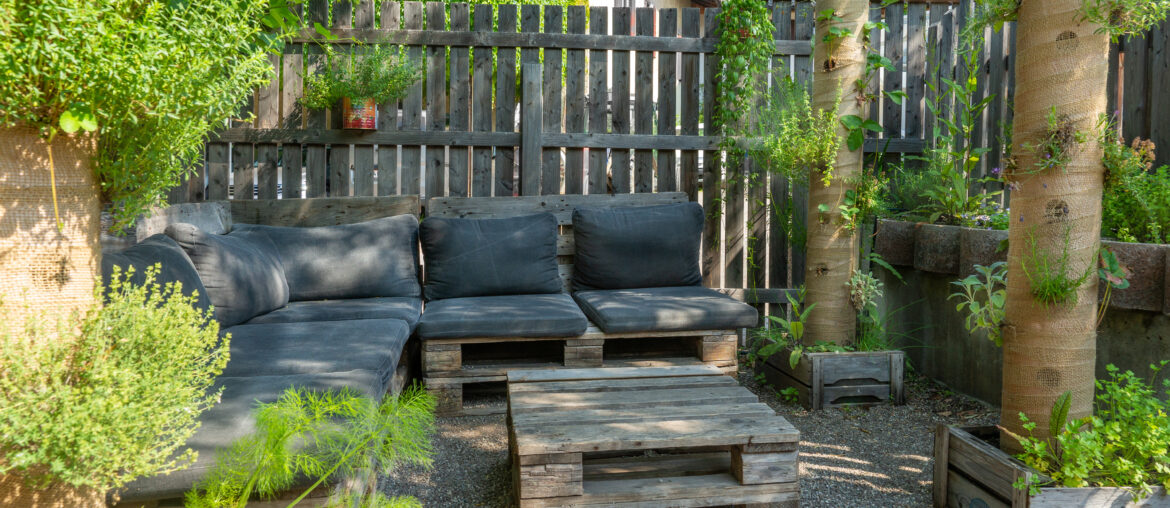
(451, 364)
(828, 380)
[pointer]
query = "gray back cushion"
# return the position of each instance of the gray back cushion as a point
(174, 266)
(637, 247)
(240, 270)
(489, 257)
(364, 260)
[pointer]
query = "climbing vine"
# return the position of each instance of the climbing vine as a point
(744, 48)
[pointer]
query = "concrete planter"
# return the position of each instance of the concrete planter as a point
(894, 241)
(970, 471)
(980, 247)
(1147, 285)
(936, 248)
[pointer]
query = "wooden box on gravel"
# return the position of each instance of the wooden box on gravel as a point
(971, 471)
(828, 380)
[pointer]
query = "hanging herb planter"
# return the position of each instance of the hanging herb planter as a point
(362, 79)
(359, 113)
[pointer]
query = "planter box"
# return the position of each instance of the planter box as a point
(827, 380)
(1146, 289)
(980, 247)
(971, 471)
(936, 248)
(894, 241)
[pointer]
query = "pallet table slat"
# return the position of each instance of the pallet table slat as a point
(722, 410)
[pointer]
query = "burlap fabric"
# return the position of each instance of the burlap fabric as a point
(44, 269)
(15, 493)
(1047, 351)
(832, 249)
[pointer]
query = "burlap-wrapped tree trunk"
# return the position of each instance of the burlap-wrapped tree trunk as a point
(16, 492)
(1049, 350)
(832, 248)
(44, 269)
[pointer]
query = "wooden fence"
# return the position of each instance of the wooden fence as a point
(610, 100)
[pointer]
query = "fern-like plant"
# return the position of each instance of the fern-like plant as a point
(322, 435)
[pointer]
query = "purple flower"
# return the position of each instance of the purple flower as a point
(995, 172)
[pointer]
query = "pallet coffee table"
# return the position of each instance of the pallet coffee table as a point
(646, 436)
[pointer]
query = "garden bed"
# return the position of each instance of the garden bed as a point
(839, 379)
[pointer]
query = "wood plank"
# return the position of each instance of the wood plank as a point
(636, 414)
(669, 397)
(268, 168)
(1055, 497)
(620, 169)
(677, 492)
(1159, 74)
(761, 468)
(657, 466)
(340, 182)
(292, 117)
(856, 394)
(315, 153)
(410, 171)
(915, 67)
(458, 174)
(363, 170)
(550, 164)
(561, 205)
(436, 114)
(892, 48)
(598, 101)
(1136, 88)
(342, 19)
(778, 201)
(321, 211)
(874, 85)
(620, 384)
(933, 61)
(644, 101)
(521, 376)
(962, 492)
(217, 171)
(531, 113)
(561, 476)
(982, 462)
(481, 103)
(847, 366)
(656, 434)
(689, 120)
(575, 103)
(712, 240)
(941, 446)
(243, 171)
(506, 103)
(667, 101)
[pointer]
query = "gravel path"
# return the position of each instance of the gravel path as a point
(877, 457)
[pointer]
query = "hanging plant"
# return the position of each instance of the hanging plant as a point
(744, 47)
(369, 76)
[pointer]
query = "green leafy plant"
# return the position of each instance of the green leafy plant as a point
(149, 79)
(793, 136)
(834, 36)
(378, 72)
(787, 333)
(1055, 150)
(321, 435)
(789, 394)
(906, 190)
(744, 47)
(1124, 17)
(98, 400)
(1136, 201)
(1123, 444)
(1114, 275)
(982, 297)
(1049, 274)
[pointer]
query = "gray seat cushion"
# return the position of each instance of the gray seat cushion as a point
(314, 348)
(240, 270)
(233, 418)
(488, 257)
(405, 308)
(637, 247)
(552, 315)
(665, 309)
(174, 266)
(368, 259)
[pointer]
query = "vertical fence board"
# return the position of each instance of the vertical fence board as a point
(933, 62)
(575, 103)
(778, 186)
(196, 191)
(1159, 72)
(268, 117)
(531, 112)
(550, 164)
(217, 171)
(915, 66)
(292, 117)
(1136, 112)
(980, 137)
(802, 31)
(363, 155)
(388, 114)
(996, 86)
(342, 18)
(481, 104)
(873, 87)
(598, 100)
(689, 123)
(267, 168)
(712, 239)
(506, 104)
(436, 111)
(620, 171)
(530, 173)
(458, 182)
(644, 102)
(243, 170)
(667, 104)
(946, 51)
(892, 49)
(315, 163)
(339, 171)
(410, 172)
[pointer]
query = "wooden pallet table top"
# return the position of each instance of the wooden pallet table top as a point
(557, 418)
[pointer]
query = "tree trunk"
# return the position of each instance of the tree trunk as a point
(14, 491)
(43, 269)
(1051, 349)
(832, 248)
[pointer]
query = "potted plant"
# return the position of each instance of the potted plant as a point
(362, 79)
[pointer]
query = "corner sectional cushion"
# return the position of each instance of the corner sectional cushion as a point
(240, 270)
(664, 309)
(550, 315)
(637, 247)
(174, 266)
(232, 418)
(368, 259)
(405, 308)
(488, 257)
(279, 349)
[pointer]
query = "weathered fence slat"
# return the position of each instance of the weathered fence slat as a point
(243, 170)
(436, 102)
(778, 186)
(481, 104)
(388, 116)
(892, 49)
(644, 102)
(412, 108)
(712, 239)
(667, 88)
(458, 181)
(550, 164)
(598, 99)
(620, 158)
(530, 145)
(689, 122)
(575, 103)
(506, 103)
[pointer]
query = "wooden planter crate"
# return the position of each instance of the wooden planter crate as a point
(971, 471)
(827, 380)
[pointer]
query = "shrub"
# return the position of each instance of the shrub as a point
(109, 398)
(1136, 202)
(794, 136)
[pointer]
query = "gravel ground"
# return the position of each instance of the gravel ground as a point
(876, 457)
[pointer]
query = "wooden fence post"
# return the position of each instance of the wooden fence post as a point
(531, 113)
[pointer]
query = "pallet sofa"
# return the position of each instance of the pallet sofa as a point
(627, 291)
(320, 307)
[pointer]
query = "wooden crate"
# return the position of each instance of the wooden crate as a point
(447, 370)
(970, 471)
(827, 380)
(657, 436)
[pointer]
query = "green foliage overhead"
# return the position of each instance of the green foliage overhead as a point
(151, 78)
(379, 72)
(321, 435)
(112, 397)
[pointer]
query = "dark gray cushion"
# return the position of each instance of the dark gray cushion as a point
(368, 259)
(407, 309)
(240, 270)
(312, 348)
(637, 247)
(487, 257)
(174, 266)
(503, 316)
(664, 309)
(232, 418)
